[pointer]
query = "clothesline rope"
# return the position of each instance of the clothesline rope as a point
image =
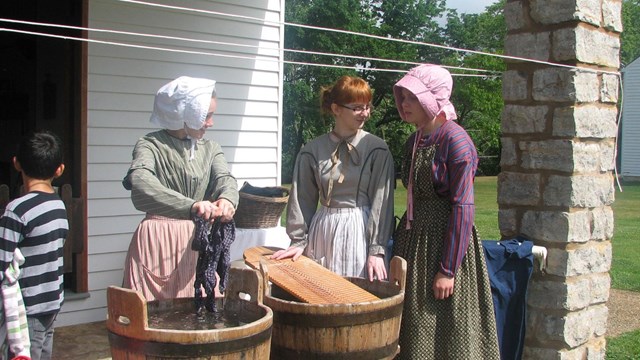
(445, 47)
(167, 37)
(193, 52)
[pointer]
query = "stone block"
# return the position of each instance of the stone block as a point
(528, 45)
(548, 155)
(565, 85)
(519, 119)
(532, 353)
(597, 349)
(584, 191)
(574, 328)
(594, 257)
(609, 88)
(607, 155)
(572, 295)
(518, 189)
(612, 15)
(514, 15)
(557, 227)
(586, 121)
(602, 223)
(558, 11)
(600, 285)
(593, 350)
(514, 85)
(587, 157)
(508, 155)
(507, 222)
(586, 45)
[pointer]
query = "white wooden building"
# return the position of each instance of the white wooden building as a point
(98, 96)
(630, 128)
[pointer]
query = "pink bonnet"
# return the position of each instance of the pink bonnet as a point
(432, 85)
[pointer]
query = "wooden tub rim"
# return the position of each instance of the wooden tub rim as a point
(251, 284)
(397, 279)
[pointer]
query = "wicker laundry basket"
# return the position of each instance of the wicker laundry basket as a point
(260, 207)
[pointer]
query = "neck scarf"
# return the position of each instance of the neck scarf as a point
(336, 156)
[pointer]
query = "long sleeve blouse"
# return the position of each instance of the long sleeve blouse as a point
(364, 176)
(164, 180)
(454, 168)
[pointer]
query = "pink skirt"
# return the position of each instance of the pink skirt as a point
(160, 263)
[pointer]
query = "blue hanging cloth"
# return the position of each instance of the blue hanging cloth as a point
(213, 243)
(510, 265)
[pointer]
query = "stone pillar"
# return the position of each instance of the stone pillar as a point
(557, 185)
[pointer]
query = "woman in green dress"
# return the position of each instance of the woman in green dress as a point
(448, 309)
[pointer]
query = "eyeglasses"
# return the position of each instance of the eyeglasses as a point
(358, 109)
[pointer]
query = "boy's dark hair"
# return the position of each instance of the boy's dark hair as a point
(40, 154)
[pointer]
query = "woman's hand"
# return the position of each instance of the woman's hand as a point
(442, 286)
(226, 209)
(376, 268)
(206, 210)
(292, 252)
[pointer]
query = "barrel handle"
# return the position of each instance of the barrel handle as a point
(245, 280)
(398, 272)
(127, 311)
(264, 271)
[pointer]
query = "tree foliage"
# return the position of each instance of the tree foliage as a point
(478, 100)
(630, 38)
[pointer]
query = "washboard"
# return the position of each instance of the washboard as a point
(306, 280)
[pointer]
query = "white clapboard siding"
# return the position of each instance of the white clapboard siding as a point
(122, 82)
(630, 147)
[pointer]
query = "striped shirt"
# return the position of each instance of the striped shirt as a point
(454, 168)
(37, 224)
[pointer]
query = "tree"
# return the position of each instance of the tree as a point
(478, 100)
(301, 116)
(630, 38)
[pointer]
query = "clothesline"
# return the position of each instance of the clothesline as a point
(507, 57)
(193, 52)
(165, 37)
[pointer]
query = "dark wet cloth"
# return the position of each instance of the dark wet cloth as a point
(212, 242)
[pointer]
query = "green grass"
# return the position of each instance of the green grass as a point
(625, 267)
(624, 347)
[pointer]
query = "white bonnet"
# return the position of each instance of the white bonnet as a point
(184, 100)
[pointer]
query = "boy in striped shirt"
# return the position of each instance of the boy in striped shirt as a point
(36, 224)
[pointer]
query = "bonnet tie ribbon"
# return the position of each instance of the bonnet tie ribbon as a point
(416, 140)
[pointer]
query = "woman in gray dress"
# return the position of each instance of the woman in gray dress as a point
(350, 173)
(176, 174)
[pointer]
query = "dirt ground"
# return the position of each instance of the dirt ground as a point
(623, 312)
